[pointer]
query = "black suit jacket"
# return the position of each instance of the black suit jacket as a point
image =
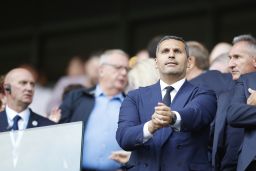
(36, 118)
(77, 106)
(242, 115)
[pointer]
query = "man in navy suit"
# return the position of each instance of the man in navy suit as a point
(19, 87)
(166, 125)
(227, 139)
(242, 114)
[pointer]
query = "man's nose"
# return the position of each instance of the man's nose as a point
(231, 63)
(171, 54)
(124, 71)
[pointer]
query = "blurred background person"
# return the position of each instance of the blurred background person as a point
(199, 62)
(2, 95)
(98, 109)
(152, 44)
(219, 49)
(144, 73)
(42, 93)
(198, 73)
(19, 86)
(220, 63)
(74, 75)
(91, 68)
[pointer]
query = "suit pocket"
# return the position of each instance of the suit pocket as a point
(200, 167)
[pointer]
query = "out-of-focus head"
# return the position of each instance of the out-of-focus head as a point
(1, 84)
(152, 45)
(2, 96)
(199, 59)
(142, 74)
(172, 57)
(200, 53)
(75, 66)
(219, 49)
(242, 56)
(221, 63)
(19, 87)
(113, 70)
(92, 68)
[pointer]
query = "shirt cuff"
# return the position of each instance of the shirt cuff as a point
(176, 125)
(146, 134)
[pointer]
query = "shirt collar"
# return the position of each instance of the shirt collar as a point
(99, 92)
(11, 113)
(177, 85)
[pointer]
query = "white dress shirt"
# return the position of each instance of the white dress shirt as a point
(176, 126)
(23, 122)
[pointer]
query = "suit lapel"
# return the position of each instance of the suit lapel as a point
(33, 120)
(152, 97)
(180, 100)
(3, 121)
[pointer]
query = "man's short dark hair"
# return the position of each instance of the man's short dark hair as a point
(174, 38)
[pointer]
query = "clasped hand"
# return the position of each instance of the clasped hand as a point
(162, 117)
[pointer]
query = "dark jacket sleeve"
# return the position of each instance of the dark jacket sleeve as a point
(239, 113)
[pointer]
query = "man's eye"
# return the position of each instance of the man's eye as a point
(177, 51)
(165, 51)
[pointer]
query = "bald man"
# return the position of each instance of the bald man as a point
(19, 87)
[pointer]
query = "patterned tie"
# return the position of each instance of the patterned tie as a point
(167, 96)
(15, 122)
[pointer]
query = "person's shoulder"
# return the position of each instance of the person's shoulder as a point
(42, 120)
(145, 89)
(251, 75)
(199, 89)
(82, 92)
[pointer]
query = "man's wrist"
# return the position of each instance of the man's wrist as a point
(174, 119)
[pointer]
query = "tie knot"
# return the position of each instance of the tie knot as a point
(16, 118)
(169, 89)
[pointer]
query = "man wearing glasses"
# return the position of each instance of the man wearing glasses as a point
(99, 109)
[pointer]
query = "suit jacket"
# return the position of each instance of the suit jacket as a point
(167, 149)
(227, 140)
(77, 106)
(213, 80)
(41, 121)
(242, 115)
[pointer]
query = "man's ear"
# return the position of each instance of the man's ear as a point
(156, 63)
(100, 70)
(191, 62)
(254, 62)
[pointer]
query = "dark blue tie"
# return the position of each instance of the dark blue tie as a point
(167, 96)
(15, 122)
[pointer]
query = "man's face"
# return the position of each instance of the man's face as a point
(171, 58)
(22, 87)
(242, 60)
(114, 72)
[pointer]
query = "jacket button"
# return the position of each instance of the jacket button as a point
(145, 164)
(179, 146)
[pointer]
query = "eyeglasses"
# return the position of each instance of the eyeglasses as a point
(117, 67)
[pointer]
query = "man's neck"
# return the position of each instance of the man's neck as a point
(17, 108)
(195, 72)
(110, 92)
(170, 79)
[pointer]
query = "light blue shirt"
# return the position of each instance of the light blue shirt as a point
(100, 131)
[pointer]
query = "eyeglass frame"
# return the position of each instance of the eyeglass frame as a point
(117, 67)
